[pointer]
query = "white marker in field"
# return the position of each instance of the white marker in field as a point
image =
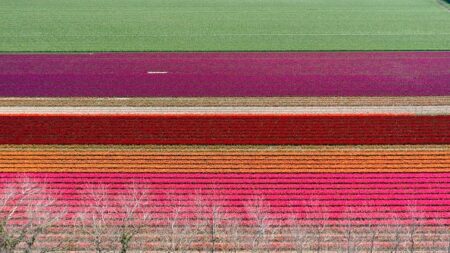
(157, 72)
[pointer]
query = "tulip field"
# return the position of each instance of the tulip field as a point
(94, 167)
(256, 126)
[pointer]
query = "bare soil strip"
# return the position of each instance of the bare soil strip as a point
(226, 101)
(237, 110)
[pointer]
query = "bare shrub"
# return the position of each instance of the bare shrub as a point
(177, 231)
(353, 229)
(414, 227)
(134, 219)
(262, 229)
(318, 218)
(435, 236)
(396, 232)
(359, 229)
(27, 212)
(298, 231)
(97, 219)
(210, 222)
(234, 234)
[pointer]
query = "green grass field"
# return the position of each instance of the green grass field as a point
(223, 25)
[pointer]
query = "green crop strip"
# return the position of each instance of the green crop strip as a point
(222, 25)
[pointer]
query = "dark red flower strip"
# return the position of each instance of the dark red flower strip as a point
(224, 129)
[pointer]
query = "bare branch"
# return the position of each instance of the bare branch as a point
(32, 208)
(414, 227)
(396, 233)
(318, 217)
(299, 234)
(176, 232)
(96, 221)
(262, 231)
(134, 217)
(234, 234)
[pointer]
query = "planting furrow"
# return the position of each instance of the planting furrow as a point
(226, 150)
(33, 170)
(207, 178)
(225, 101)
(281, 193)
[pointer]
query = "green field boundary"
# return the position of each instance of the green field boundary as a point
(50, 26)
(223, 51)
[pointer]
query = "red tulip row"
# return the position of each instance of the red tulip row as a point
(222, 129)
